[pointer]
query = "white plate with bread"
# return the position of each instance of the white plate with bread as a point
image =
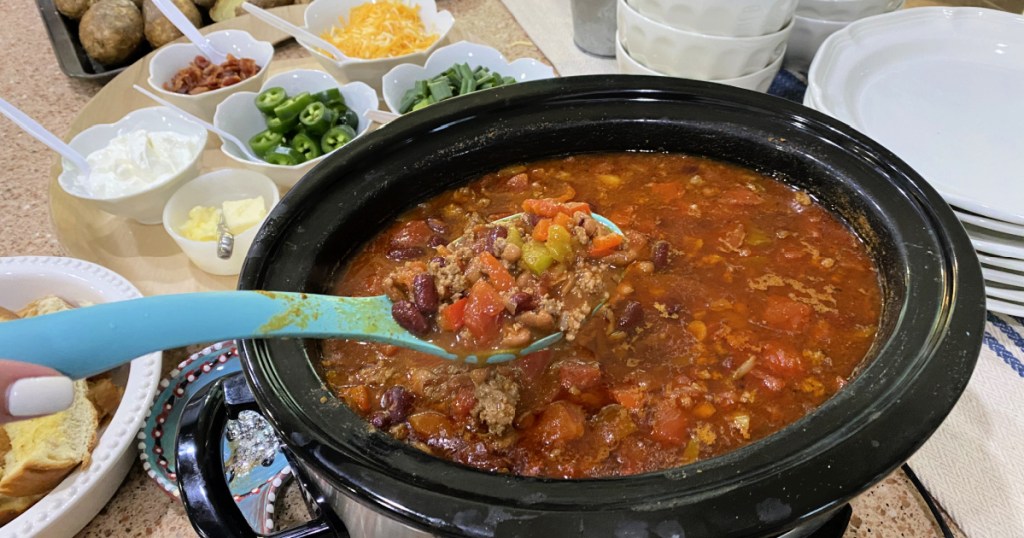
(51, 488)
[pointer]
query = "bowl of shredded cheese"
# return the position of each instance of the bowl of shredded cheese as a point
(376, 35)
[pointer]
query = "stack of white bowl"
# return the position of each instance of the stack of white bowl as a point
(815, 20)
(734, 42)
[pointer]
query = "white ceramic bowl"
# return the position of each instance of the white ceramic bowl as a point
(321, 15)
(173, 58)
(686, 54)
(77, 499)
(806, 39)
(737, 18)
(844, 10)
(238, 115)
(758, 81)
(145, 206)
(213, 189)
(402, 77)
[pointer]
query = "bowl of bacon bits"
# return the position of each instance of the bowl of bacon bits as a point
(376, 35)
(182, 75)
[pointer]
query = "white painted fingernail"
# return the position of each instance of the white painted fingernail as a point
(39, 396)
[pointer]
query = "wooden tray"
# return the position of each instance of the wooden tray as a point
(146, 255)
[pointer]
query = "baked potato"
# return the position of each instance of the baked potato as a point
(111, 30)
(204, 3)
(228, 9)
(159, 30)
(73, 8)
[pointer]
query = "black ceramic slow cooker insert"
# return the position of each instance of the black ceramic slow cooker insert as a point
(927, 342)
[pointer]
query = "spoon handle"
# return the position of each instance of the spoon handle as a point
(181, 22)
(297, 32)
(89, 340)
(41, 134)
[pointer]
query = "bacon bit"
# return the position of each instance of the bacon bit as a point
(202, 76)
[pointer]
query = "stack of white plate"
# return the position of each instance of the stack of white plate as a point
(943, 88)
(734, 42)
(815, 20)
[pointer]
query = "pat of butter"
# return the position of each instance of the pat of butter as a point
(240, 215)
(201, 224)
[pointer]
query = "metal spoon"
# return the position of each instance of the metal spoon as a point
(209, 126)
(181, 22)
(93, 339)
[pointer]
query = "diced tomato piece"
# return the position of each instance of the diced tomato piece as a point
(463, 402)
(453, 316)
(431, 425)
(357, 397)
(670, 425)
(785, 314)
(560, 422)
(414, 233)
(540, 230)
(631, 397)
(548, 207)
(496, 272)
(518, 182)
(563, 220)
(740, 196)
(604, 245)
(483, 310)
(578, 374)
(534, 364)
(782, 360)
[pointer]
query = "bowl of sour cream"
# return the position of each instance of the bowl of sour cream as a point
(136, 163)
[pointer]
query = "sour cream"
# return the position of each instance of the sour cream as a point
(134, 161)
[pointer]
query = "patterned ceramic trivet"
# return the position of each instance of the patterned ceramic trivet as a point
(254, 466)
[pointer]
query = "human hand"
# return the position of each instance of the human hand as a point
(29, 391)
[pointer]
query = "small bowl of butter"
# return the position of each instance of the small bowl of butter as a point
(214, 218)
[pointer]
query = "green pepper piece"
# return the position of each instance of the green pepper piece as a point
(330, 96)
(317, 118)
(410, 98)
(265, 141)
(440, 89)
(293, 106)
(351, 119)
(422, 103)
(270, 98)
(283, 156)
(277, 125)
(305, 145)
(336, 137)
(559, 243)
(536, 257)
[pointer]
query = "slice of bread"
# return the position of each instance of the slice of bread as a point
(7, 315)
(12, 507)
(45, 449)
(45, 305)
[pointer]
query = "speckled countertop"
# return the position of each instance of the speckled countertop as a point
(31, 79)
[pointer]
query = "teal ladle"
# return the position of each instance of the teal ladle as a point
(93, 339)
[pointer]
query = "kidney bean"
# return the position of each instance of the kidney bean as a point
(396, 404)
(532, 218)
(659, 255)
(404, 253)
(631, 316)
(436, 241)
(410, 318)
(491, 234)
(437, 225)
(523, 301)
(439, 260)
(411, 234)
(424, 293)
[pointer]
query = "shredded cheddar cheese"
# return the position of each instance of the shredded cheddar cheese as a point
(380, 29)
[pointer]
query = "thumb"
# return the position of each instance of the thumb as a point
(29, 390)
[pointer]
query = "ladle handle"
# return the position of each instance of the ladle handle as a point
(89, 340)
(40, 133)
(181, 22)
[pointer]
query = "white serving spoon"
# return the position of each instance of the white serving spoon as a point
(209, 126)
(181, 22)
(382, 117)
(297, 32)
(40, 133)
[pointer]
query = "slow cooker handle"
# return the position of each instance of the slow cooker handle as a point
(204, 491)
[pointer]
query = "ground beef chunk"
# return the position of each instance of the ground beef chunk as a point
(496, 397)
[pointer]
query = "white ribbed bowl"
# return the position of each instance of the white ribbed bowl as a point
(844, 10)
(737, 18)
(681, 53)
(82, 494)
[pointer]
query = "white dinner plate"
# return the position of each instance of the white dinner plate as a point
(991, 224)
(993, 242)
(1006, 293)
(1004, 307)
(1001, 262)
(942, 88)
(1002, 276)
